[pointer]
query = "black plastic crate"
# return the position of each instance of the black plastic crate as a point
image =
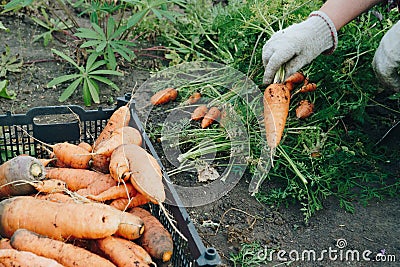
(73, 124)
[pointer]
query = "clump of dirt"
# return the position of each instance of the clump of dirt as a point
(236, 218)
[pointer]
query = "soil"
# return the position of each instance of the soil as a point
(237, 217)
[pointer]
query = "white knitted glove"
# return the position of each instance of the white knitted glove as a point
(298, 45)
(386, 62)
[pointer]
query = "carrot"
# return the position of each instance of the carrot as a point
(100, 163)
(104, 149)
(16, 169)
(115, 192)
(76, 178)
(13, 258)
(212, 115)
(124, 252)
(304, 109)
(126, 203)
(47, 162)
(103, 183)
(130, 227)
(72, 155)
(295, 78)
(85, 146)
(49, 186)
(276, 109)
(119, 166)
(5, 243)
(123, 135)
(199, 112)
(143, 170)
(55, 197)
(118, 119)
(57, 220)
(164, 96)
(194, 98)
(156, 240)
(309, 87)
(66, 254)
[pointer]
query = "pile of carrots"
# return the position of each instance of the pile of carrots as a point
(83, 206)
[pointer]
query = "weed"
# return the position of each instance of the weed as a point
(9, 63)
(87, 76)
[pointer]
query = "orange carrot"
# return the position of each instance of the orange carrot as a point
(199, 112)
(123, 135)
(295, 78)
(100, 163)
(124, 252)
(115, 192)
(72, 155)
(309, 87)
(119, 166)
(276, 109)
(164, 96)
(17, 169)
(156, 240)
(143, 170)
(66, 254)
(85, 146)
(75, 178)
(103, 183)
(118, 119)
(194, 98)
(55, 197)
(13, 258)
(126, 203)
(130, 227)
(212, 115)
(58, 220)
(50, 186)
(304, 109)
(5, 243)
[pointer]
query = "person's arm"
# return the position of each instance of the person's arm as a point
(342, 12)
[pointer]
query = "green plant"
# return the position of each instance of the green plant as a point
(107, 42)
(4, 93)
(9, 63)
(87, 76)
(52, 25)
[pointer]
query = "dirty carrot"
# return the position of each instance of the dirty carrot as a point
(118, 119)
(66, 254)
(57, 220)
(75, 178)
(193, 98)
(212, 115)
(103, 183)
(119, 191)
(310, 87)
(276, 109)
(16, 169)
(13, 258)
(295, 78)
(126, 203)
(72, 155)
(124, 252)
(164, 96)
(156, 240)
(130, 227)
(144, 171)
(199, 113)
(304, 109)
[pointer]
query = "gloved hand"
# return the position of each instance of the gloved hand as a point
(386, 62)
(298, 45)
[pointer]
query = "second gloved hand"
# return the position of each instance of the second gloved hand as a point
(298, 45)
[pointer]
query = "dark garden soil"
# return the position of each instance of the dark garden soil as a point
(241, 219)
